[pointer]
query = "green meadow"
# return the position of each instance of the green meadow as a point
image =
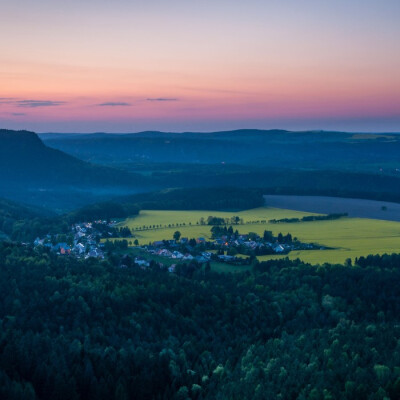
(348, 237)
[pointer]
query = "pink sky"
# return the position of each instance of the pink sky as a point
(124, 66)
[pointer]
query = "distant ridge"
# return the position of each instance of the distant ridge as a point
(24, 155)
(160, 134)
(227, 132)
(28, 167)
(303, 149)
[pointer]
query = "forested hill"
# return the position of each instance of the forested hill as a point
(34, 173)
(310, 149)
(24, 158)
(321, 163)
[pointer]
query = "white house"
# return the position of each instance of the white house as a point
(177, 254)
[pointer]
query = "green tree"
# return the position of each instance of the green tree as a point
(177, 235)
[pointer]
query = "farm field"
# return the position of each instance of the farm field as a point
(163, 218)
(350, 237)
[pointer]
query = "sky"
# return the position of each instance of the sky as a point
(199, 65)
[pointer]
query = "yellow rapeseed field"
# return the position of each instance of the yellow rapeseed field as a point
(350, 237)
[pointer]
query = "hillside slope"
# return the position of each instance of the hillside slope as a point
(24, 156)
(28, 168)
(11, 212)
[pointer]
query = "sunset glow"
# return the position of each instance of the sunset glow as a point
(128, 66)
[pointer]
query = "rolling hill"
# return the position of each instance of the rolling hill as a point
(278, 162)
(315, 150)
(32, 172)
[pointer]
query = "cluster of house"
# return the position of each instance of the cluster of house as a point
(253, 243)
(83, 242)
(180, 251)
(143, 263)
(185, 251)
(202, 257)
(219, 249)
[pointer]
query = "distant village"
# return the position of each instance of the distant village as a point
(226, 245)
(83, 242)
(99, 238)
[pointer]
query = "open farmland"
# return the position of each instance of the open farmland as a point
(255, 220)
(349, 237)
(162, 218)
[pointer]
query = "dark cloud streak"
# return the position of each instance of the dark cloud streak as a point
(6, 100)
(38, 103)
(162, 99)
(30, 103)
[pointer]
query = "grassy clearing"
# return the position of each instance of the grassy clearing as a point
(225, 268)
(350, 237)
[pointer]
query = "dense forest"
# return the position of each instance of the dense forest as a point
(279, 179)
(13, 215)
(222, 198)
(72, 329)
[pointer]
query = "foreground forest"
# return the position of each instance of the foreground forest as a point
(72, 329)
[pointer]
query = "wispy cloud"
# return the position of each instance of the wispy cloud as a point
(114, 104)
(162, 99)
(18, 114)
(6, 100)
(38, 103)
(30, 103)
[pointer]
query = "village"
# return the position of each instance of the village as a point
(84, 241)
(225, 246)
(98, 239)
